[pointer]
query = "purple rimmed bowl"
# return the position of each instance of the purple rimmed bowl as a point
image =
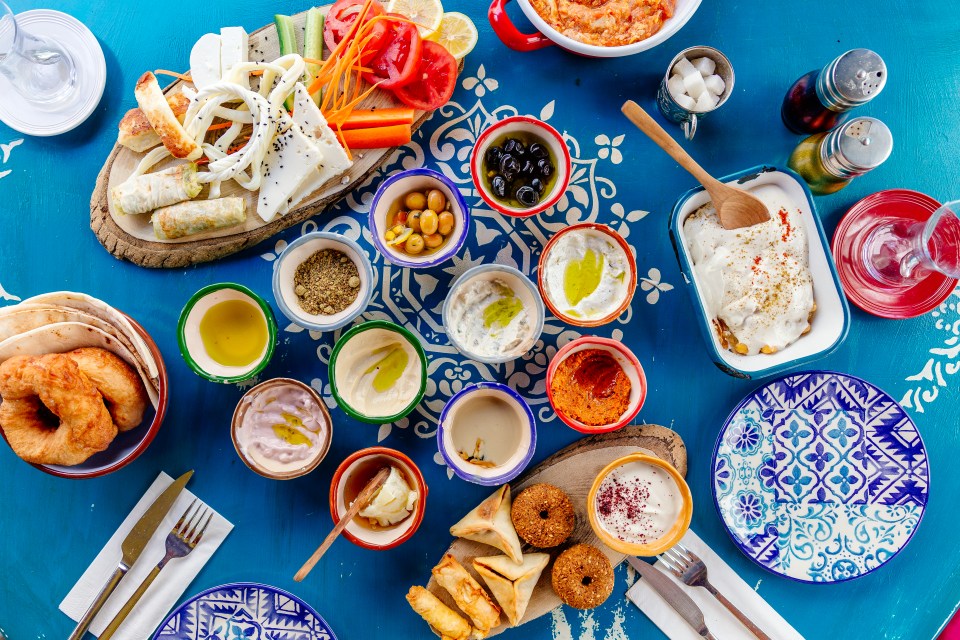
(493, 426)
(385, 203)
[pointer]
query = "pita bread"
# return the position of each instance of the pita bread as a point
(468, 594)
(489, 523)
(448, 624)
(512, 584)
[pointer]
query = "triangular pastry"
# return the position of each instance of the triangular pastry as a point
(490, 523)
(512, 584)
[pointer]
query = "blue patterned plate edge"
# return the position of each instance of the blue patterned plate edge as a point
(716, 499)
(330, 635)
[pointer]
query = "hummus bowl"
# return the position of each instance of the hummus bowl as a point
(831, 320)
(285, 268)
(493, 314)
(378, 372)
(385, 200)
(487, 433)
(546, 35)
(627, 361)
(350, 477)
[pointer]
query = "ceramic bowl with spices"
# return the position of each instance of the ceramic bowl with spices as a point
(396, 510)
(493, 314)
(487, 433)
(281, 429)
(520, 166)
(640, 505)
(596, 385)
(587, 275)
(378, 372)
(418, 219)
(322, 281)
(227, 333)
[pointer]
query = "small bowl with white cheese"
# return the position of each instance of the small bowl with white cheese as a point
(493, 314)
(767, 297)
(396, 510)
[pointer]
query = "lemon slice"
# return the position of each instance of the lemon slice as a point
(426, 13)
(457, 34)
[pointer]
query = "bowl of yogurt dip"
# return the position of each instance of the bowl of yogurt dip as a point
(493, 314)
(487, 433)
(596, 385)
(639, 505)
(378, 372)
(394, 513)
(587, 275)
(281, 429)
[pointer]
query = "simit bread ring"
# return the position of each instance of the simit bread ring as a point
(117, 382)
(81, 424)
(543, 515)
(582, 577)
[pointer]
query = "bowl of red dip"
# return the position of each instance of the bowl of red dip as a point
(640, 505)
(596, 385)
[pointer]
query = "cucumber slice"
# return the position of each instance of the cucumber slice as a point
(313, 45)
(287, 34)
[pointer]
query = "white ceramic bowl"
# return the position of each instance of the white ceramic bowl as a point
(832, 317)
(522, 287)
(298, 251)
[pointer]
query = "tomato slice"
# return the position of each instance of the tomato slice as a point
(341, 18)
(399, 56)
(434, 80)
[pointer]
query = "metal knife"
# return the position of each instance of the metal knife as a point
(132, 547)
(673, 594)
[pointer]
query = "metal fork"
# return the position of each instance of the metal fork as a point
(180, 542)
(692, 571)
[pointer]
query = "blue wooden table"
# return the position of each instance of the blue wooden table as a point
(50, 528)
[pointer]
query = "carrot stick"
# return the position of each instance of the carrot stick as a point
(219, 126)
(367, 118)
(182, 76)
(377, 137)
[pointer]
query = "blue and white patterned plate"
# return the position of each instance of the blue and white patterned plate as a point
(820, 477)
(244, 611)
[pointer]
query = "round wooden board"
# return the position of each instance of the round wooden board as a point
(573, 469)
(211, 246)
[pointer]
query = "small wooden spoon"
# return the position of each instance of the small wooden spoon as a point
(735, 207)
(362, 500)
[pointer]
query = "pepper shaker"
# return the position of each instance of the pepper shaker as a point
(829, 161)
(817, 100)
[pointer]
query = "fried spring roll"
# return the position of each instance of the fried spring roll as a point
(468, 594)
(189, 218)
(447, 622)
(141, 194)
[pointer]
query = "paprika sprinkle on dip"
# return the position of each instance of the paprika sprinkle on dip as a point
(591, 387)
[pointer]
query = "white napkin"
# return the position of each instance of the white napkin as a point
(719, 620)
(166, 589)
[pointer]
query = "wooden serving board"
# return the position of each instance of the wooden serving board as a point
(573, 469)
(132, 238)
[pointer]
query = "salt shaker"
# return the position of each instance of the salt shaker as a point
(829, 161)
(817, 100)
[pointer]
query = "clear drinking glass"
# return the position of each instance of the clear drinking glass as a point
(40, 70)
(902, 253)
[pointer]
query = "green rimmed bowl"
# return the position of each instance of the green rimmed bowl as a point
(191, 345)
(363, 355)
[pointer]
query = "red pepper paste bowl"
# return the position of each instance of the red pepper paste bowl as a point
(623, 357)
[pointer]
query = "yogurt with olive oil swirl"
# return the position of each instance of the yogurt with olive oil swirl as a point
(586, 275)
(489, 319)
(378, 373)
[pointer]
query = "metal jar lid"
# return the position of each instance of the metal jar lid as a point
(856, 147)
(853, 79)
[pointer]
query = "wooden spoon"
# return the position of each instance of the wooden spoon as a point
(735, 207)
(362, 500)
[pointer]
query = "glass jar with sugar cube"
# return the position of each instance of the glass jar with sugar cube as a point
(698, 80)
(818, 100)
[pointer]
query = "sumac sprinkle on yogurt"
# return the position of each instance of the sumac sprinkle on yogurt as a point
(638, 503)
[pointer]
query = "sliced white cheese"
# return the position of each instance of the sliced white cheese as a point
(205, 61)
(234, 49)
(307, 116)
(291, 160)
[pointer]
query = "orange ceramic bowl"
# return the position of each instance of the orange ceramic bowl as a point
(601, 229)
(670, 538)
(390, 537)
(626, 359)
